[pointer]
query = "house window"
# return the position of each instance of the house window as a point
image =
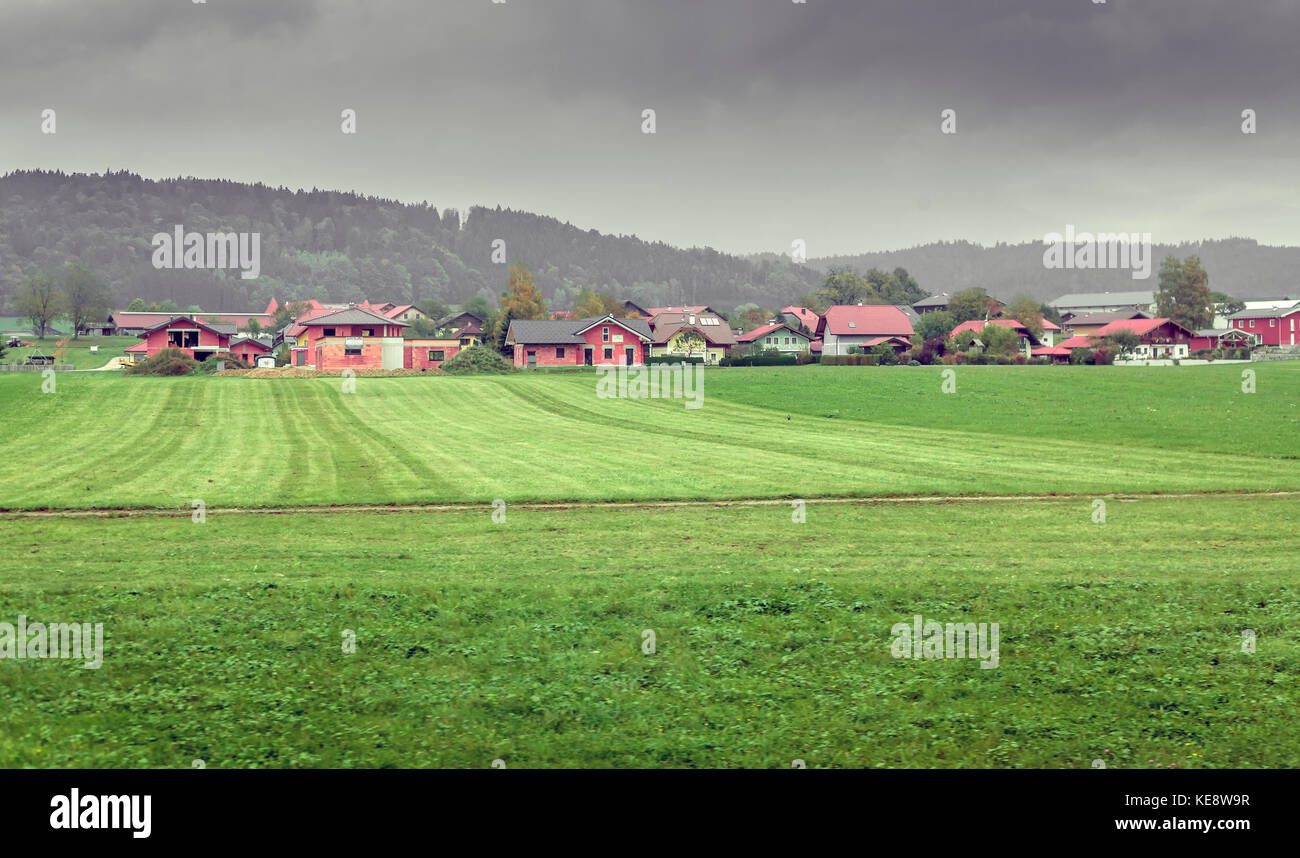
(1252, 323)
(367, 332)
(329, 332)
(609, 354)
(604, 337)
(559, 352)
(352, 351)
(853, 324)
(435, 354)
(1272, 323)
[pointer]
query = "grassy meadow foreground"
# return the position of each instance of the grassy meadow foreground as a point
(522, 640)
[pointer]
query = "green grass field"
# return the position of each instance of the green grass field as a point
(106, 441)
(522, 640)
(75, 353)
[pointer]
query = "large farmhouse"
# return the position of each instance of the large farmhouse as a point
(844, 326)
(686, 334)
(199, 340)
(1276, 326)
(349, 339)
(1157, 338)
(582, 342)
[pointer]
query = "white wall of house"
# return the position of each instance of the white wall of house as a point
(837, 344)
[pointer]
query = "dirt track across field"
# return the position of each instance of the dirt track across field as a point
(185, 512)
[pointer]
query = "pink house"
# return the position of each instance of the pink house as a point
(199, 340)
(580, 342)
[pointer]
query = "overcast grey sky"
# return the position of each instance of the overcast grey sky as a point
(775, 120)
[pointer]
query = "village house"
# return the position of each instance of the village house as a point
(349, 339)
(936, 303)
(597, 341)
(249, 349)
(686, 334)
(844, 326)
(1276, 326)
(199, 340)
(778, 337)
(465, 328)
(1085, 303)
(800, 317)
(1089, 323)
(968, 332)
(1157, 338)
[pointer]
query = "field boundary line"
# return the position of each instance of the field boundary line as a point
(470, 506)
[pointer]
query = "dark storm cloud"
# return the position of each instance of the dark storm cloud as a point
(776, 119)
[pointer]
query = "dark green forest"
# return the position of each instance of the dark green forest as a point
(339, 246)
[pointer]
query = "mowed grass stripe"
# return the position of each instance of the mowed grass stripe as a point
(241, 442)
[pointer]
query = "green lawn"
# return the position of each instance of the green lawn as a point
(76, 352)
(102, 440)
(522, 640)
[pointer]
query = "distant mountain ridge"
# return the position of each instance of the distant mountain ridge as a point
(1240, 267)
(342, 246)
(338, 246)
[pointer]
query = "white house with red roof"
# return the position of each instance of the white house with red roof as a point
(845, 326)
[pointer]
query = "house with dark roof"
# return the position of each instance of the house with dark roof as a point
(599, 341)
(1089, 323)
(200, 340)
(938, 302)
(690, 333)
(465, 328)
(1084, 303)
(846, 326)
(348, 339)
(1276, 326)
(249, 349)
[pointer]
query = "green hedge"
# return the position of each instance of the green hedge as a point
(761, 360)
(664, 360)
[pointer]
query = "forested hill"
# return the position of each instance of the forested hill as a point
(341, 246)
(1241, 267)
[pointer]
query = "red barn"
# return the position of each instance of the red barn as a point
(1276, 326)
(589, 342)
(199, 340)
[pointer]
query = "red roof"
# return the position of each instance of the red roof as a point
(1050, 326)
(872, 320)
(1137, 326)
(138, 347)
(815, 346)
(765, 330)
(1047, 351)
(1076, 343)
